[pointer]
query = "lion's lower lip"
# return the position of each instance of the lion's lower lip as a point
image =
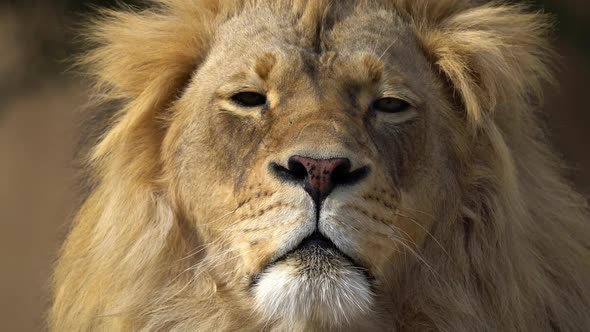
(316, 240)
(313, 251)
(315, 245)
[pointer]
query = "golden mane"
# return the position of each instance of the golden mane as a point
(517, 258)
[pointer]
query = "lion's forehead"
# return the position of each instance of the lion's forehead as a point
(245, 37)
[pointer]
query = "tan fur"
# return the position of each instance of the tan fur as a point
(465, 221)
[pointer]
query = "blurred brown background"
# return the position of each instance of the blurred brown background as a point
(40, 109)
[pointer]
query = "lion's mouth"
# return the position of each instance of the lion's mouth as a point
(316, 255)
(316, 241)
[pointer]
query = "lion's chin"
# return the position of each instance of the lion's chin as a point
(314, 283)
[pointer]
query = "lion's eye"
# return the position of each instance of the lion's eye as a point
(249, 99)
(390, 105)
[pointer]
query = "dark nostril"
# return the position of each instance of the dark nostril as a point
(341, 173)
(297, 169)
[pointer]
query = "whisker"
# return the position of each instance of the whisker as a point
(387, 49)
(425, 230)
(418, 256)
(199, 268)
(418, 211)
(223, 216)
(415, 253)
(381, 27)
(195, 251)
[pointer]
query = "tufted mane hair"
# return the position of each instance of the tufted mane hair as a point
(516, 257)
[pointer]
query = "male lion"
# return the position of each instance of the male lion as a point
(301, 165)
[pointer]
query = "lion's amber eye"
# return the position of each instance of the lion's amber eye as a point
(249, 99)
(390, 105)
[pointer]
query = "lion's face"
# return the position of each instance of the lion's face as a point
(311, 169)
(305, 165)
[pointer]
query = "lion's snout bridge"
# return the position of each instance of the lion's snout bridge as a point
(319, 177)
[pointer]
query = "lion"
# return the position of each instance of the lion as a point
(316, 165)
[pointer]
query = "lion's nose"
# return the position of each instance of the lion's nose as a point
(320, 176)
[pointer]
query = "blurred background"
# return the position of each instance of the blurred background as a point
(41, 109)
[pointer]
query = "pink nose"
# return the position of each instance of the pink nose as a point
(320, 176)
(320, 172)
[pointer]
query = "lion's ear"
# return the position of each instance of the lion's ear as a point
(491, 55)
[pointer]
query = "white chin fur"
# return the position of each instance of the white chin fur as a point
(330, 300)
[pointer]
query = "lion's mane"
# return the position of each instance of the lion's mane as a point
(515, 259)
